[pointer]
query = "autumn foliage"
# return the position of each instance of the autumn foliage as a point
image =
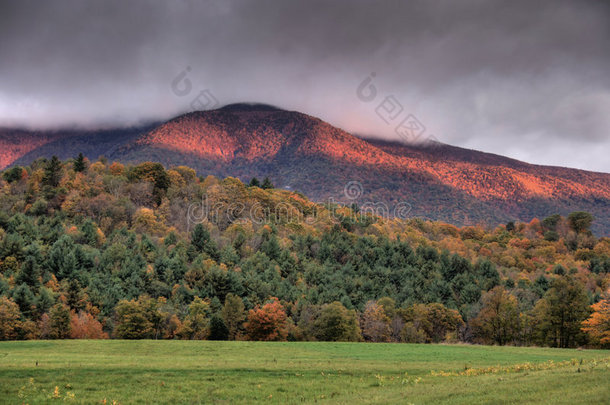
(268, 322)
(132, 252)
(84, 326)
(598, 324)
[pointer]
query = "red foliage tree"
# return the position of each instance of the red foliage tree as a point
(85, 326)
(267, 322)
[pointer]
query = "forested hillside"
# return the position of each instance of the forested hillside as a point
(99, 249)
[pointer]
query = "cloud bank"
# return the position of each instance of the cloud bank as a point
(519, 78)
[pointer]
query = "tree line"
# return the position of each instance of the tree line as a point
(103, 250)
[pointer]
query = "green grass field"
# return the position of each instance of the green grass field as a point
(251, 372)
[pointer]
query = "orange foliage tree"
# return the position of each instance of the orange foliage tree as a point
(85, 326)
(598, 324)
(267, 322)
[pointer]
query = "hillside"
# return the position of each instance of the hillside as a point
(300, 152)
(99, 249)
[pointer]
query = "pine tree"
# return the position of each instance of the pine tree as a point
(218, 328)
(52, 173)
(254, 182)
(30, 272)
(79, 164)
(267, 184)
(24, 297)
(202, 242)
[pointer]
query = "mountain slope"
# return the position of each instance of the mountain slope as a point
(20, 146)
(301, 152)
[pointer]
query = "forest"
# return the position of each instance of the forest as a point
(103, 250)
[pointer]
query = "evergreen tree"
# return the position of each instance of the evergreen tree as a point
(202, 242)
(24, 298)
(218, 329)
(79, 164)
(13, 174)
(76, 299)
(266, 184)
(52, 173)
(254, 182)
(89, 231)
(44, 301)
(30, 272)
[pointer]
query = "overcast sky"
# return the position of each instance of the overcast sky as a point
(526, 79)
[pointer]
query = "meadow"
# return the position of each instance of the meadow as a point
(138, 372)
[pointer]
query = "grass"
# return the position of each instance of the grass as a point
(138, 372)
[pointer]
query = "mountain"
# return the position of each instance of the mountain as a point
(304, 153)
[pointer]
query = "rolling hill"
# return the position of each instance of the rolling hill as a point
(304, 153)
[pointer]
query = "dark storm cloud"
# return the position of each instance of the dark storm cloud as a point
(527, 79)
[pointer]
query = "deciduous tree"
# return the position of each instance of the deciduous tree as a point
(560, 313)
(268, 322)
(598, 324)
(498, 321)
(196, 325)
(335, 323)
(9, 319)
(374, 323)
(233, 314)
(59, 322)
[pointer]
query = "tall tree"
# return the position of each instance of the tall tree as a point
(218, 328)
(267, 322)
(580, 221)
(9, 319)
(266, 185)
(233, 314)
(336, 323)
(59, 322)
(560, 313)
(52, 173)
(374, 323)
(80, 165)
(498, 320)
(197, 323)
(598, 324)
(135, 319)
(202, 241)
